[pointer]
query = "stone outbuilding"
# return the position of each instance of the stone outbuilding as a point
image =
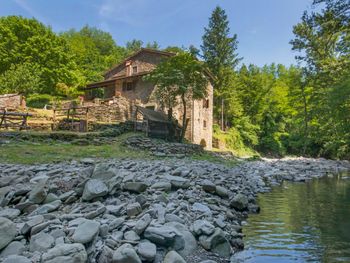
(126, 80)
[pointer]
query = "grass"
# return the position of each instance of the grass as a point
(43, 151)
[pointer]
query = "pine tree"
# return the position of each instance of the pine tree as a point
(219, 48)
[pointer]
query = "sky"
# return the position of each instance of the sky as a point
(264, 27)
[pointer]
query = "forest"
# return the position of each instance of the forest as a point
(276, 110)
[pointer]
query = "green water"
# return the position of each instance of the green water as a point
(301, 222)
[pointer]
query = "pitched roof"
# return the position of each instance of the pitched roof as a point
(148, 50)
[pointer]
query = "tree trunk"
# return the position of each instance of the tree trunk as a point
(170, 114)
(184, 118)
(306, 118)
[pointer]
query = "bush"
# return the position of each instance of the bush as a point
(40, 100)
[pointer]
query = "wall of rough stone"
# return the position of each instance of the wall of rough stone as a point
(145, 61)
(12, 101)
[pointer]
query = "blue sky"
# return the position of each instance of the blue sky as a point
(264, 27)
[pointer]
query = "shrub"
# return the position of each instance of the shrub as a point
(40, 100)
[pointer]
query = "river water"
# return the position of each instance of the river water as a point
(301, 222)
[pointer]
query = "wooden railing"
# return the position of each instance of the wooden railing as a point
(15, 120)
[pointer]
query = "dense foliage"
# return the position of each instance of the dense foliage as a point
(302, 110)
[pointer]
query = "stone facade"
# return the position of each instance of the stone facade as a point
(12, 101)
(126, 80)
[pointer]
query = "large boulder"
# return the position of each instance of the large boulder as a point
(65, 253)
(41, 242)
(201, 227)
(7, 232)
(16, 259)
(126, 254)
(178, 182)
(94, 188)
(142, 224)
(146, 250)
(86, 232)
(14, 248)
(216, 243)
(135, 187)
(173, 257)
(239, 202)
(38, 194)
(103, 172)
(188, 243)
(166, 236)
(133, 209)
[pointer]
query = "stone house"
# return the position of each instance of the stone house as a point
(126, 80)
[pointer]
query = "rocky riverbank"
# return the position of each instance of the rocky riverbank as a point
(136, 211)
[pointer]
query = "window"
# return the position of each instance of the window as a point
(204, 124)
(129, 85)
(134, 69)
(206, 103)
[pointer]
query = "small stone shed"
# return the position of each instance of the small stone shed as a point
(154, 123)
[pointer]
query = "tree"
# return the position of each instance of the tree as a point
(24, 40)
(218, 46)
(179, 79)
(219, 52)
(21, 78)
(94, 51)
(323, 40)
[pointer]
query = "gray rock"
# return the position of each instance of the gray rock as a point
(16, 259)
(222, 191)
(35, 220)
(41, 242)
(50, 198)
(208, 186)
(131, 236)
(38, 194)
(135, 187)
(239, 202)
(178, 182)
(86, 232)
(173, 218)
(142, 224)
(102, 172)
(162, 186)
(10, 213)
(7, 232)
(133, 209)
(94, 188)
(65, 253)
(189, 243)
(146, 250)
(126, 254)
(14, 248)
(216, 243)
(203, 227)
(173, 257)
(47, 208)
(164, 236)
(201, 208)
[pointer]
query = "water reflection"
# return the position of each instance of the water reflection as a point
(301, 222)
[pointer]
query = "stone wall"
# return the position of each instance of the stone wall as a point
(12, 101)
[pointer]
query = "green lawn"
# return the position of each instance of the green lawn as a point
(26, 152)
